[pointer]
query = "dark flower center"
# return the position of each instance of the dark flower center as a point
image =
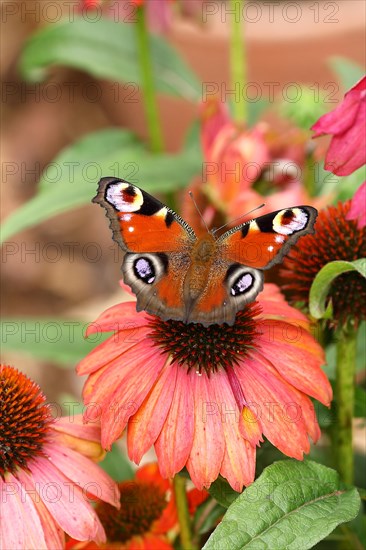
(141, 504)
(335, 238)
(207, 348)
(24, 420)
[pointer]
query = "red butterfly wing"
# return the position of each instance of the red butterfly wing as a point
(264, 241)
(140, 222)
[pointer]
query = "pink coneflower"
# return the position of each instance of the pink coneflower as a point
(44, 475)
(205, 396)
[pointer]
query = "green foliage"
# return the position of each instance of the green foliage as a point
(308, 107)
(117, 465)
(108, 50)
(291, 505)
(347, 71)
(71, 179)
(57, 340)
(222, 492)
(322, 283)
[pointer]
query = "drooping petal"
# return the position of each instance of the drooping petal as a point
(298, 358)
(119, 317)
(176, 437)
(20, 523)
(53, 534)
(208, 446)
(250, 427)
(145, 426)
(88, 475)
(238, 465)
(130, 391)
(74, 433)
(109, 350)
(111, 376)
(274, 306)
(307, 410)
(66, 502)
(75, 426)
(275, 400)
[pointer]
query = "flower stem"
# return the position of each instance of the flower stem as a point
(344, 396)
(148, 87)
(179, 484)
(237, 61)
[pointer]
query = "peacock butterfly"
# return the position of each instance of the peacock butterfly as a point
(175, 274)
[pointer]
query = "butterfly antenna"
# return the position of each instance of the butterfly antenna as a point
(240, 217)
(198, 210)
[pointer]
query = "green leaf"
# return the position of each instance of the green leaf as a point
(291, 505)
(348, 72)
(117, 465)
(58, 340)
(107, 50)
(70, 181)
(222, 492)
(324, 279)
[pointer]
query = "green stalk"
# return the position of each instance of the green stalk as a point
(345, 396)
(179, 484)
(148, 87)
(237, 61)
(309, 175)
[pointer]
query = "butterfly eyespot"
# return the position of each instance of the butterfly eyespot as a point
(144, 270)
(242, 284)
(287, 222)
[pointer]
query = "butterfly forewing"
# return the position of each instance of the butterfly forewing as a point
(264, 241)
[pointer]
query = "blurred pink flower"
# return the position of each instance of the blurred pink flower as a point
(347, 124)
(46, 471)
(234, 156)
(203, 402)
(244, 168)
(358, 207)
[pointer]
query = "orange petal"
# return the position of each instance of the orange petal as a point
(250, 427)
(275, 400)
(299, 359)
(145, 426)
(238, 465)
(208, 441)
(175, 440)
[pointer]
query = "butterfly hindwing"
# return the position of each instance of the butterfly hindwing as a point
(262, 242)
(230, 286)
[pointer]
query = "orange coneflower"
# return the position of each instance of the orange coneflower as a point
(204, 396)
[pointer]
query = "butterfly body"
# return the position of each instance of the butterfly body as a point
(177, 275)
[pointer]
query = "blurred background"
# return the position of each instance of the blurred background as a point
(58, 89)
